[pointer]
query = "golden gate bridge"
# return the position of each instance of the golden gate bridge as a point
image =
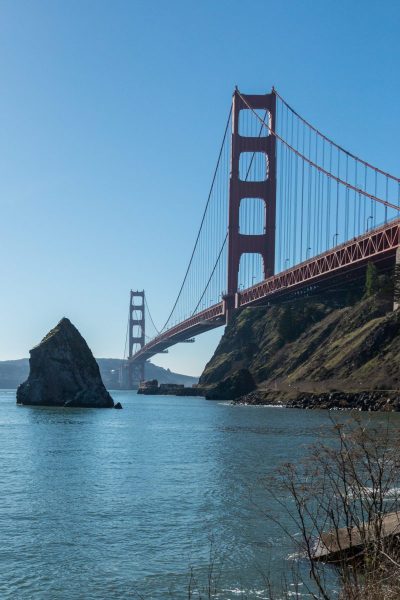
(288, 212)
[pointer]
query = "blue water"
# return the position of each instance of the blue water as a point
(107, 504)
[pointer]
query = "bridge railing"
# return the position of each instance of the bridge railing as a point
(201, 319)
(376, 242)
(354, 253)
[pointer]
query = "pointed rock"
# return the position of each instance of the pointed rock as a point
(64, 372)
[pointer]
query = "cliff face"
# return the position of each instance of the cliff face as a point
(312, 346)
(63, 372)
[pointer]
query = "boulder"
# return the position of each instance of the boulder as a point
(63, 372)
(118, 405)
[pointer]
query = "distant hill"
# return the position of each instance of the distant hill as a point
(109, 369)
(14, 372)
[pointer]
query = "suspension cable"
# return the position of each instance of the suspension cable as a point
(212, 273)
(126, 336)
(226, 236)
(151, 318)
(202, 220)
(324, 137)
(313, 164)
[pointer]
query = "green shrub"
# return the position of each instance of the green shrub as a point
(371, 280)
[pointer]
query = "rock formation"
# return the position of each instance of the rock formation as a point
(63, 372)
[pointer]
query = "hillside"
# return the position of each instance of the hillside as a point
(14, 372)
(311, 348)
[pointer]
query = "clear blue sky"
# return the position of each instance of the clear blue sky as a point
(111, 113)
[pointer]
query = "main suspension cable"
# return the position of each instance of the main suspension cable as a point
(226, 236)
(315, 165)
(212, 273)
(151, 318)
(324, 137)
(126, 335)
(202, 220)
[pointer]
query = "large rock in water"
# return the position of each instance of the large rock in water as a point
(64, 372)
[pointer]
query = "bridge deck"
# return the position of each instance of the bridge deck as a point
(375, 246)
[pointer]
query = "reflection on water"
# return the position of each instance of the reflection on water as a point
(119, 504)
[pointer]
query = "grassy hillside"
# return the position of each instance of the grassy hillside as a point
(313, 346)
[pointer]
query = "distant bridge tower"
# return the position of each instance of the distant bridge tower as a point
(241, 189)
(137, 329)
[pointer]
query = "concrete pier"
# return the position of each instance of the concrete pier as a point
(345, 544)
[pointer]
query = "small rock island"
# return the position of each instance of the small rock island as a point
(64, 372)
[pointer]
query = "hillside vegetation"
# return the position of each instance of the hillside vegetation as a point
(313, 346)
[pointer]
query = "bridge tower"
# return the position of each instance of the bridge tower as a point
(240, 189)
(137, 328)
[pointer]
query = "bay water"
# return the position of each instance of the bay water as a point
(136, 503)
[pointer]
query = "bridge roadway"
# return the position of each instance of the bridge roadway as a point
(328, 269)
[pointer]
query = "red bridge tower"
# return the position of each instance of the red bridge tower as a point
(240, 189)
(137, 328)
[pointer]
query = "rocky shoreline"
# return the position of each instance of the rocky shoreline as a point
(374, 401)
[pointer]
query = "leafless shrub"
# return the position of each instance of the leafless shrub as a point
(208, 589)
(344, 488)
